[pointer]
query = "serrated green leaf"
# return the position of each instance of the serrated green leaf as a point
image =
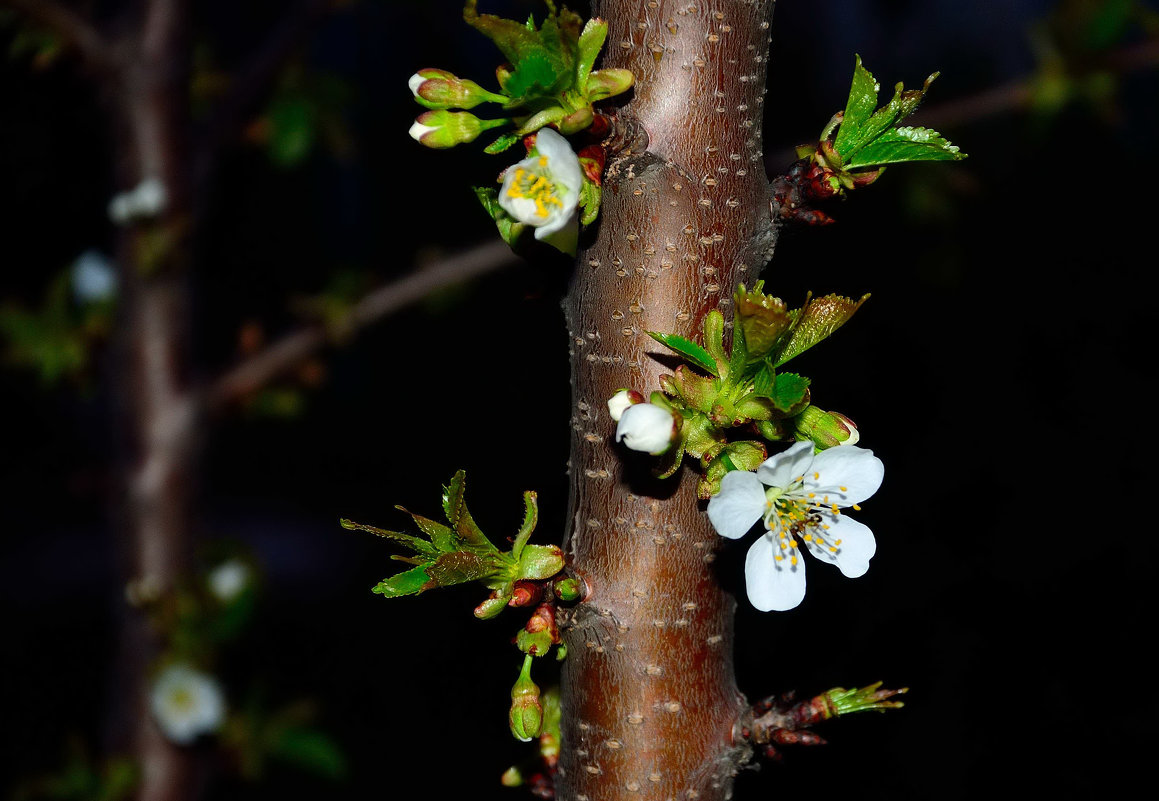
(458, 567)
(536, 74)
(695, 390)
(763, 318)
(453, 497)
(688, 350)
(502, 143)
(745, 454)
(417, 545)
(311, 750)
(738, 358)
(817, 320)
(589, 201)
(441, 537)
(905, 144)
(543, 61)
(455, 508)
(591, 40)
(764, 380)
(790, 391)
(408, 582)
(530, 519)
(858, 108)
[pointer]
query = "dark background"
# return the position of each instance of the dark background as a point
(998, 370)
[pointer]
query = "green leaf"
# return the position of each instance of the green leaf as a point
(460, 519)
(714, 341)
(764, 382)
(509, 228)
(414, 543)
(530, 518)
(817, 320)
(858, 108)
(311, 750)
(689, 350)
(408, 582)
(502, 143)
(543, 61)
(458, 567)
(293, 130)
(589, 201)
(905, 144)
(739, 356)
(441, 537)
(789, 392)
(763, 318)
(591, 40)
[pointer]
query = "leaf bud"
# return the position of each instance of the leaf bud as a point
(539, 562)
(648, 428)
(492, 606)
(606, 83)
(442, 129)
(526, 715)
(825, 429)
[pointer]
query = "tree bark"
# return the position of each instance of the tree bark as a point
(649, 697)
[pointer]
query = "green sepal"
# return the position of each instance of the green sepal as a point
(589, 201)
(702, 438)
(689, 350)
(669, 461)
(540, 562)
(501, 143)
(409, 582)
(790, 393)
(509, 228)
(530, 519)
(743, 455)
(905, 144)
(410, 541)
(818, 319)
(753, 407)
(534, 643)
(772, 430)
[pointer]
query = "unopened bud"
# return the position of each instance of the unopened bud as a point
(442, 129)
(437, 89)
(526, 715)
(621, 401)
(492, 606)
(606, 83)
(825, 429)
(648, 428)
(539, 562)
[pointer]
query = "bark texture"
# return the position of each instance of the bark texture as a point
(650, 700)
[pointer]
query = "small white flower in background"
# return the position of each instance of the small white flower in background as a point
(94, 278)
(800, 497)
(147, 199)
(186, 703)
(619, 403)
(647, 427)
(229, 579)
(544, 190)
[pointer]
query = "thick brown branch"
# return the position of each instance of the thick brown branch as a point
(295, 347)
(77, 32)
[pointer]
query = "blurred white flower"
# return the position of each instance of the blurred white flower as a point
(619, 403)
(146, 199)
(94, 277)
(186, 703)
(229, 579)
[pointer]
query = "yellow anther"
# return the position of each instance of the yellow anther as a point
(543, 161)
(844, 489)
(857, 507)
(812, 495)
(816, 476)
(778, 557)
(793, 543)
(832, 549)
(825, 525)
(808, 538)
(837, 542)
(834, 509)
(794, 561)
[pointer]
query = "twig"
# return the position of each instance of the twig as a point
(293, 348)
(77, 32)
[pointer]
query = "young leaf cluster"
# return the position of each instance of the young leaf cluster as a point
(548, 79)
(744, 388)
(863, 139)
(458, 552)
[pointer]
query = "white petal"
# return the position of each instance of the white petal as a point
(618, 404)
(415, 82)
(780, 470)
(856, 469)
(856, 549)
(418, 130)
(772, 586)
(646, 427)
(562, 234)
(563, 164)
(739, 504)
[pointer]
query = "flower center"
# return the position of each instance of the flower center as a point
(536, 186)
(793, 513)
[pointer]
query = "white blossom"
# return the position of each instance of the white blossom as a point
(646, 427)
(543, 191)
(619, 403)
(229, 579)
(94, 278)
(800, 497)
(186, 703)
(147, 199)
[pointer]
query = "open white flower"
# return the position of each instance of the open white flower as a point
(544, 190)
(800, 497)
(229, 580)
(186, 703)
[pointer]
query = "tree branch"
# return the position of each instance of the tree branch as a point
(259, 369)
(76, 31)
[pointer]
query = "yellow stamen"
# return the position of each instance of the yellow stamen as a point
(857, 507)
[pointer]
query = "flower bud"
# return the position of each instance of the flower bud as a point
(619, 402)
(649, 428)
(605, 83)
(825, 429)
(437, 89)
(526, 715)
(442, 129)
(539, 562)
